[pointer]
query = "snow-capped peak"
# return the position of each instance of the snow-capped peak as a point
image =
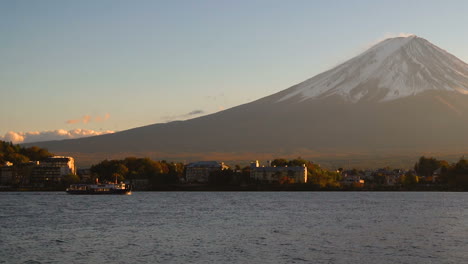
(394, 68)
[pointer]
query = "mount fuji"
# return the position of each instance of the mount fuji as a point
(393, 69)
(402, 97)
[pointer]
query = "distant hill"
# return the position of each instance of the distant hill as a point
(400, 99)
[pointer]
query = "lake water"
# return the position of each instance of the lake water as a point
(234, 227)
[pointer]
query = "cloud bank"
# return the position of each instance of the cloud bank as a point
(37, 136)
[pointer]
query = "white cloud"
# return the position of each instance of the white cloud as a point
(37, 136)
(13, 137)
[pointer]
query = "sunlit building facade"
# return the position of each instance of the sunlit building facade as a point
(276, 174)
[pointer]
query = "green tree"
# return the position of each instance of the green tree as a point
(110, 170)
(427, 166)
(17, 154)
(17, 158)
(119, 172)
(297, 162)
(457, 175)
(322, 178)
(36, 153)
(279, 162)
(70, 179)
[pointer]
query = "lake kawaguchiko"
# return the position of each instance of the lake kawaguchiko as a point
(234, 227)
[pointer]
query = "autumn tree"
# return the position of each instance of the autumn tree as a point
(409, 179)
(16, 154)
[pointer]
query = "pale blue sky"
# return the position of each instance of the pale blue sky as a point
(145, 62)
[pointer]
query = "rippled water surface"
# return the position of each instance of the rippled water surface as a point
(240, 227)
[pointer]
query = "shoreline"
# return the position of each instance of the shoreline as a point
(257, 188)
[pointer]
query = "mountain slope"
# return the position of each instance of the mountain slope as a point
(392, 69)
(404, 95)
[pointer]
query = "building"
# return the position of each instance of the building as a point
(20, 174)
(353, 178)
(353, 181)
(52, 170)
(7, 174)
(66, 164)
(273, 174)
(200, 171)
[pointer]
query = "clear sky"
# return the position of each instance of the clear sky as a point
(114, 65)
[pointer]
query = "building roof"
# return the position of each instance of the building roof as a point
(57, 159)
(205, 164)
(275, 169)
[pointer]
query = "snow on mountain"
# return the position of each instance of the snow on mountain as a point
(392, 69)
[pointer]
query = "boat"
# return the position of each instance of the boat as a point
(106, 188)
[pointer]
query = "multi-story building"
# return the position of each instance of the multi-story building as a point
(7, 174)
(12, 174)
(66, 164)
(200, 171)
(52, 170)
(274, 174)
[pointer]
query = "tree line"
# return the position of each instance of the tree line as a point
(454, 175)
(132, 168)
(17, 154)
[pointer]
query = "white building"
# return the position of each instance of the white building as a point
(272, 174)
